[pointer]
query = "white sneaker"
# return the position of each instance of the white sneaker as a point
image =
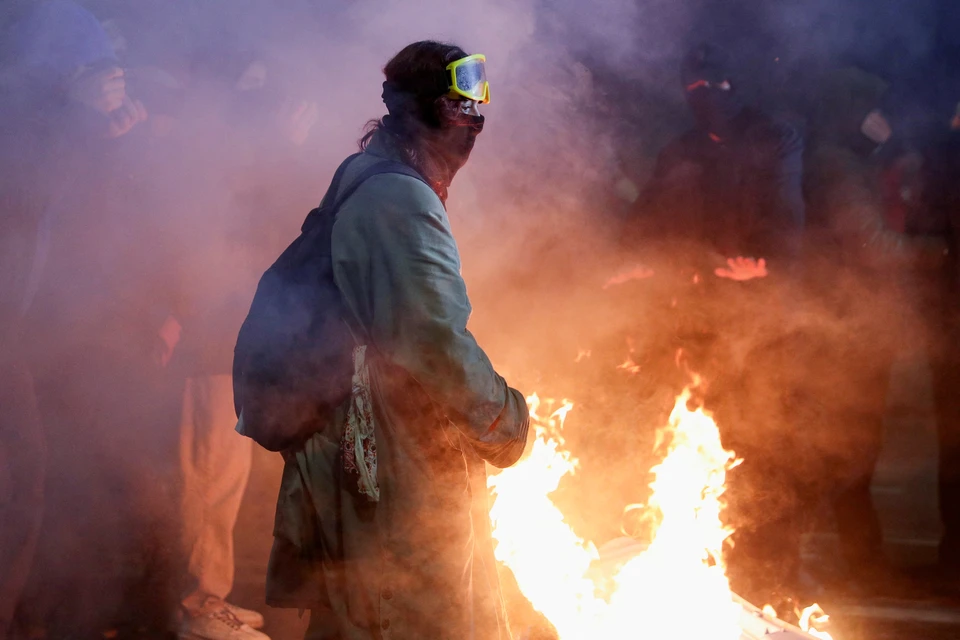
(221, 624)
(246, 616)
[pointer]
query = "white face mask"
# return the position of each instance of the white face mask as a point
(876, 128)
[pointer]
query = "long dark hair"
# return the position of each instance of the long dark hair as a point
(415, 78)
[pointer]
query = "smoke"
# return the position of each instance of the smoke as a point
(584, 95)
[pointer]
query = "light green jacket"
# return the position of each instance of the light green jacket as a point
(418, 563)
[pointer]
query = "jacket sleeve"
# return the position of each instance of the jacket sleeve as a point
(787, 178)
(671, 174)
(415, 310)
(849, 195)
(664, 193)
(784, 205)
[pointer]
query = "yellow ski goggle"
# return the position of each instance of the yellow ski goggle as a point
(468, 78)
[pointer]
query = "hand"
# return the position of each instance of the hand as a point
(876, 127)
(126, 117)
(169, 335)
(296, 119)
(743, 269)
(103, 90)
(639, 272)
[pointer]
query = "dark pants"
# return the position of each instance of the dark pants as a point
(807, 421)
(946, 372)
(105, 555)
(858, 525)
(23, 459)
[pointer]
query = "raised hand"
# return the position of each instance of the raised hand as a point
(169, 335)
(103, 90)
(743, 269)
(125, 118)
(297, 119)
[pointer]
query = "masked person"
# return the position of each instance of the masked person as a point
(734, 179)
(725, 201)
(404, 552)
(23, 450)
(938, 217)
(720, 225)
(231, 120)
(64, 105)
(860, 266)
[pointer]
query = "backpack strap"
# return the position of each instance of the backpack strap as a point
(384, 166)
(337, 179)
(333, 199)
(314, 214)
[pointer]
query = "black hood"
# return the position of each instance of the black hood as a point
(713, 108)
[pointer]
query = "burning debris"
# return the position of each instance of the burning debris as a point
(638, 272)
(765, 623)
(632, 585)
(629, 366)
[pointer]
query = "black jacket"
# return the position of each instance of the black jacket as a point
(941, 205)
(741, 195)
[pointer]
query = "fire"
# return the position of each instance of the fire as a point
(629, 366)
(637, 272)
(680, 571)
(547, 558)
(811, 619)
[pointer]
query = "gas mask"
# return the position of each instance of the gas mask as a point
(463, 132)
(452, 143)
(443, 111)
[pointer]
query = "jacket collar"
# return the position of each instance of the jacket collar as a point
(382, 146)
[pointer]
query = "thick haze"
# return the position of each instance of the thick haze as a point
(583, 96)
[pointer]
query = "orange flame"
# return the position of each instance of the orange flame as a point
(547, 558)
(681, 567)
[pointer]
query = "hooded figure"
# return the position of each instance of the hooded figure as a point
(729, 187)
(938, 218)
(42, 151)
(849, 136)
(733, 181)
(59, 37)
(382, 523)
(862, 280)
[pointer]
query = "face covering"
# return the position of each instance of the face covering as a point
(458, 140)
(713, 108)
(468, 128)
